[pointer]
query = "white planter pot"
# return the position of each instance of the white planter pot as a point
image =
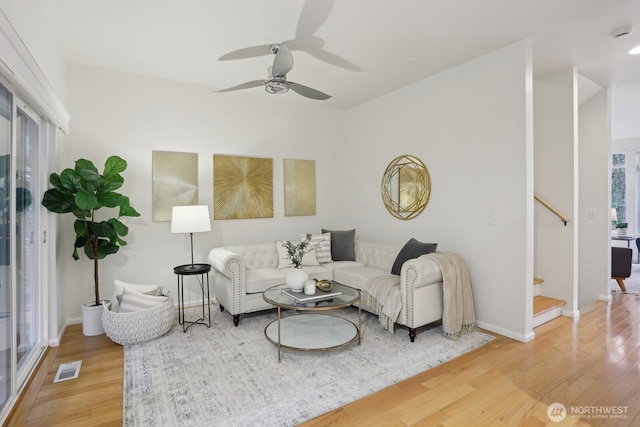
(622, 231)
(92, 319)
(295, 279)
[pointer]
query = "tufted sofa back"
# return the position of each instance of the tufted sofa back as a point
(265, 255)
(257, 255)
(377, 255)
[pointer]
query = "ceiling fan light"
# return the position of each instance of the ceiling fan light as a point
(276, 87)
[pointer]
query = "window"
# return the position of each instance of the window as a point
(619, 186)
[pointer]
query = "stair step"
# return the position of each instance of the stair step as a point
(546, 309)
(542, 304)
(537, 281)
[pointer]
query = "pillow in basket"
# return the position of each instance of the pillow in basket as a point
(120, 286)
(134, 301)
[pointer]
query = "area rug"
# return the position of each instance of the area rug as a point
(230, 376)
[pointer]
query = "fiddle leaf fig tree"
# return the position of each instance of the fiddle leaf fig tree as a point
(83, 191)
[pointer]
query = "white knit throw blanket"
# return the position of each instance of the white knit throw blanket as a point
(385, 303)
(459, 314)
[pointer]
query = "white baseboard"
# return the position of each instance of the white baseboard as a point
(507, 333)
(574, 314)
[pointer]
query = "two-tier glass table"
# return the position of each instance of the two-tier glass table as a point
(312, 327)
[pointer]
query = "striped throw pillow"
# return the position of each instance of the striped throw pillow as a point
(134, 301)
(322, 244)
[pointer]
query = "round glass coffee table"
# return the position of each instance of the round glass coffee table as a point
(311, 328)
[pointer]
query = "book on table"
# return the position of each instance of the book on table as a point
(301, 297)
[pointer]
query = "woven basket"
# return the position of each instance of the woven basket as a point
(138, 326)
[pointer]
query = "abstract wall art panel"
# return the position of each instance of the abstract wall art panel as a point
(299, 187)
(242, 187)
(174, 181)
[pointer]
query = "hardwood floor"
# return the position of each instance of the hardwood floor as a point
(590, 364)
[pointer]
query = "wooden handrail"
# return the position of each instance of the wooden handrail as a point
(557, 213)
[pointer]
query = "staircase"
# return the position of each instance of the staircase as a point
(544, 308)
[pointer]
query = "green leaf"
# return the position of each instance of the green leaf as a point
(113, 166)
(105, 248)
(102, 229)
(87, 170)
(75, 254)
(69, 181)
(112, 183)
(120, 228)
(109, 199)
(126, 209)
(58, 202)
(54, 179)
(86, 200)
(81, 214)
(82, 240)
(80, 228)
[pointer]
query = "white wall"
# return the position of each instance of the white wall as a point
(594, 182)
(470, 125)
(129, 115)
(556, 168)
(625, 110)
(29, 21)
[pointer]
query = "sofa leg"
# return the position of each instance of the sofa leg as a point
(221, 307)
(412, 334)
(236, 319)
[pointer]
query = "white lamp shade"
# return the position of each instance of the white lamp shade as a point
(614, 215)
(190, 219)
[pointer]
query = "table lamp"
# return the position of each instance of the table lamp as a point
(614, 217)
(190, 219)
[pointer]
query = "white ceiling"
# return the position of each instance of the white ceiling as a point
(393, 42)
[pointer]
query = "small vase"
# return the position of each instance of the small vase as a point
(295, 279)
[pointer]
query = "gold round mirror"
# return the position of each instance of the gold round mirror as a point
(406, 187)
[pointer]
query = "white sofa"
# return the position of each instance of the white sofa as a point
(241, 273)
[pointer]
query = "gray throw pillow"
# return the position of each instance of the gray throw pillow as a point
(412, 249)
(343, 244)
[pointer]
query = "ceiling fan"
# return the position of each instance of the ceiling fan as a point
(277, 81)
(314, 13)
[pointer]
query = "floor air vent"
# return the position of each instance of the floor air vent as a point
(68, 371)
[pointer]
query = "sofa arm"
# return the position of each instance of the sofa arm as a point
(417, 272)
(421, 291)
(227, 263)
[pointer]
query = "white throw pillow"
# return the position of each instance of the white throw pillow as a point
(134, 301)
(120, 286)
(322, 245)
(308, 259)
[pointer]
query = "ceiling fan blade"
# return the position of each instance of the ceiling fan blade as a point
(333, 59)
(307, 91)
(283, 62)
(314, 13)
(247, 85)
(247, 52)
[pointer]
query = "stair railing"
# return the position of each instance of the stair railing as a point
(556, 212)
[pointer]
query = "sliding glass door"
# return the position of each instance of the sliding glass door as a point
(20, 290)
(6, 288)
(26, 220)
